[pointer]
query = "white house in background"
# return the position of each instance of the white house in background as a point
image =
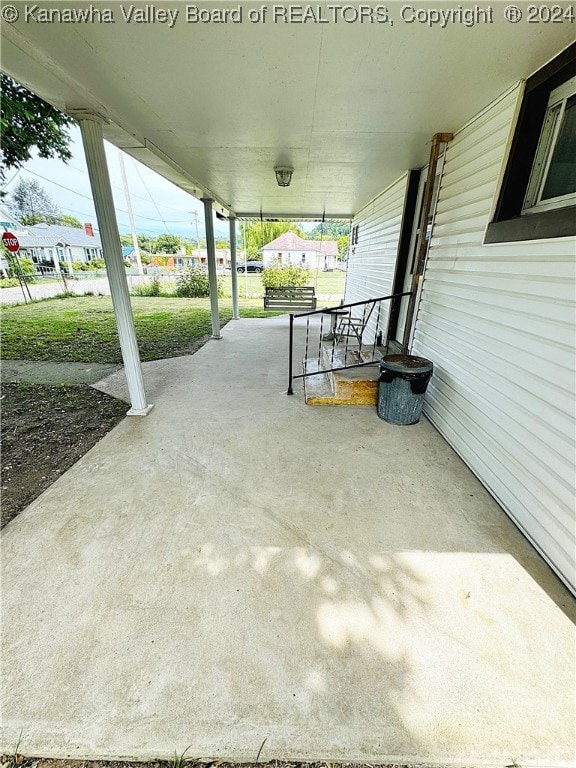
(49, 245)
(291, 249)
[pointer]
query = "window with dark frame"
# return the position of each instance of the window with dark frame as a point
(553, 179)
(537, 198)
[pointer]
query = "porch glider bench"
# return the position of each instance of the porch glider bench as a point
(290, 299)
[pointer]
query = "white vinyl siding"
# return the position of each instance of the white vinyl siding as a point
(373, 259)
(498, 323)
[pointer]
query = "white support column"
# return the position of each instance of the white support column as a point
(56, 261)
(91, 128)
(69, 262)
(235, 313)
(212, 276)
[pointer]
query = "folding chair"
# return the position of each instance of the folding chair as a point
(354, 327)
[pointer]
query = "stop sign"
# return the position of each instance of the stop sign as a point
(11, 242)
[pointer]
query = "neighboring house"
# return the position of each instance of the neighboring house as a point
(199, 257)
(495, 310)
(291, 249)
(8, 222)
(49, 245)
(129, 254)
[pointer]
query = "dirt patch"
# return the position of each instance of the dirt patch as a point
(9, 761)
(45, 430)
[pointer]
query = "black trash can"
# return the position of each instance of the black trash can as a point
(401, 387)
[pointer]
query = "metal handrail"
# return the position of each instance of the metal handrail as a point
(330, 310)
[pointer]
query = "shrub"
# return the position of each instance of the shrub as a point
(97, 264)
(27, 268)
(80, 266)
(292, 276)
(161, 261)
(147, 289)
(193, 284)
(8, 282)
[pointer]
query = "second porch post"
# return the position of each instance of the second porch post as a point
(212, 276)
(233, 264)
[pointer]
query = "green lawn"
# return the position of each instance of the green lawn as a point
(250, 285)
(331, 283)
(83, 329)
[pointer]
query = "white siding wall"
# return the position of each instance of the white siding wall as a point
(498, 322)
(373, 259)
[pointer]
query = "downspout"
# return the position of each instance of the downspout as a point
(422, 247)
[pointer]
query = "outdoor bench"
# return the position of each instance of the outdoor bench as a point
(290, 299)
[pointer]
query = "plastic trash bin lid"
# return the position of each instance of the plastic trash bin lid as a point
(406, 364)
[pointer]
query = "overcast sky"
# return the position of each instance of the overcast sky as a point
(158, 205)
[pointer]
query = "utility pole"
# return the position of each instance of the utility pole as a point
(195, 214)
(130, 214)
(245, 262)
(197, 235)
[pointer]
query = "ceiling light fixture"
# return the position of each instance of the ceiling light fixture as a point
(283, 175)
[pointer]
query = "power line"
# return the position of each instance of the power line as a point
(150, 196)
(50, 181)
(132, 194)
(118, 210)
(121, 210)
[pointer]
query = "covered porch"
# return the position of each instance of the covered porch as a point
(239, 570)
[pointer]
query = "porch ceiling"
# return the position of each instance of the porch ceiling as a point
(214, 107)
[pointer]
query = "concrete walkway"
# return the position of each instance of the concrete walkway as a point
(238, 567)
(46, 290)
(34, 372)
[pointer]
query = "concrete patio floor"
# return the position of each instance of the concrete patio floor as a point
(238, 566)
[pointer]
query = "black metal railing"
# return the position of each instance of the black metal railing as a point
(340, 337)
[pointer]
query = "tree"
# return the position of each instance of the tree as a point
(276, 276)
(342, 246)
(145, 242)
(69, 221)
(166, 244)
(259, 233)
(27, 121)
(18, 266)
(192, 246)
(330, 230)
(32, 204)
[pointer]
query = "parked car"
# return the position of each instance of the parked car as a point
(251, 266)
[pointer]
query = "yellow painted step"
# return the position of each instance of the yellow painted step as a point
(355, 386)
